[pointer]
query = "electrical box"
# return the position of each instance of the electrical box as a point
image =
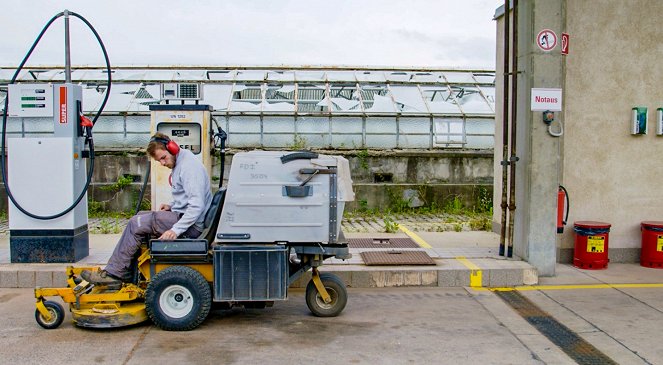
(187, 125)
(659, 121)
(181, 91)
(639, 120)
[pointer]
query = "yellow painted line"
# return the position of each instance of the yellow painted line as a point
(475, 273)
(575, 287)
(420, 241)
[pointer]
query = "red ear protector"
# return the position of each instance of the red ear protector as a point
(170, 145)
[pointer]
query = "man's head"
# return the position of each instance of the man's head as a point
(158, 151)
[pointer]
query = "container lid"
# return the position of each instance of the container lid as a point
(591, 224)
(652, 224)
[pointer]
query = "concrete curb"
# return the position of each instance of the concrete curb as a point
(447, 273)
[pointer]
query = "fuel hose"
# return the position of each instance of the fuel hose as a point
(88, 129)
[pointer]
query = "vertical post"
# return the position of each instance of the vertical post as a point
(505, 129)
(514, 103)
(67, 49)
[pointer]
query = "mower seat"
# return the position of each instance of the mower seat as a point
(213, 215)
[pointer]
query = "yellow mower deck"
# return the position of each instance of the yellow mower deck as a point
(96, 306)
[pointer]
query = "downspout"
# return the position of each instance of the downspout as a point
(505, 128)
(514, 102)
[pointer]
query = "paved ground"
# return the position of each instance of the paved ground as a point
(379, 326)
(578, 316)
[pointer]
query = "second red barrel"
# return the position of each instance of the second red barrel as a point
(652, 244)
(591, 245)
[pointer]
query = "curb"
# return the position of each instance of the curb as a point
(447, 273)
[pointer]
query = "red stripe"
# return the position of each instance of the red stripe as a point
(63, 105)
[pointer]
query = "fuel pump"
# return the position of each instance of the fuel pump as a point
(189, 126)
(45, 177)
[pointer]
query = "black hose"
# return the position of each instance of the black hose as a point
(568, 204)
(88, 129)
(142, 190)
(220, 142)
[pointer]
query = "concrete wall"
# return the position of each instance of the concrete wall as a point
(382, 179)
(614, 64)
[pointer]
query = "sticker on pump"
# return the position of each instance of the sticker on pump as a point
(63, 105)
(659, 244)
(595, 244)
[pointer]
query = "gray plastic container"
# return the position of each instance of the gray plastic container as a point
(268, 200)
(250, 273)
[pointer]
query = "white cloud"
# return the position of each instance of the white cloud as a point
(425, 33)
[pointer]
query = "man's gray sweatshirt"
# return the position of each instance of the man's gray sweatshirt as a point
(191, 191)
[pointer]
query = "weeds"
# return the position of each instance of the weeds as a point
(109, 226)
(298, 143)
(390, 226)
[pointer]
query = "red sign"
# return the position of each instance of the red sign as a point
(565, 43)
(63, 105)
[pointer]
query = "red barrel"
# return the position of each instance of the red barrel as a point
(651, 254)
(591, 245)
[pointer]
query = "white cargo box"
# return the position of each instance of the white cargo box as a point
(269, 199)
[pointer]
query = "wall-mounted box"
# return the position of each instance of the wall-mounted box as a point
(639, 120)
(659, 121)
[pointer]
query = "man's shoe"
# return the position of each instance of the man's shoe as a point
(100, 277)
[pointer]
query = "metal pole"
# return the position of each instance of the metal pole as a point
(505, 128)
(514, 101)
(67, 48)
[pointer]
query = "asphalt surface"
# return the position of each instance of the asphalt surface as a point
(414, 325)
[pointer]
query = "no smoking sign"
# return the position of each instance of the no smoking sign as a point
(546, 40)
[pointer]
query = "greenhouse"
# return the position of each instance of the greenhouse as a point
(284, 107)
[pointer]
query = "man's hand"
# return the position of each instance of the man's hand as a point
(164, 207)
(169, 235)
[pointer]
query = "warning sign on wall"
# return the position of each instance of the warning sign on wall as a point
(546, 40)
(595, 244)
(659, 244)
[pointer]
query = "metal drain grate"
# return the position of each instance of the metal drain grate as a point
(396, 258)
(382, 243)
(573, 345)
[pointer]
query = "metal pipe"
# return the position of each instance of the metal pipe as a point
(514, 103)
(505, 128)
(67, 49)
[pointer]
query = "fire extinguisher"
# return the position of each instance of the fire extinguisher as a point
(562, 201)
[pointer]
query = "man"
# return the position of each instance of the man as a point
(184, 216)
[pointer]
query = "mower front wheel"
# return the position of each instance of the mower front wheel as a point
(337, 292)
(178, 299)
(57, 315)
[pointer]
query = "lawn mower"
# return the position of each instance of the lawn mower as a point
(278, 218)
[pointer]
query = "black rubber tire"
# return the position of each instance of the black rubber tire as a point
(56, 310)
(337, 291)
(180, 285)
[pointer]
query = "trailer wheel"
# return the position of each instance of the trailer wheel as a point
(337, 291)
(178, 299)
(57, 315)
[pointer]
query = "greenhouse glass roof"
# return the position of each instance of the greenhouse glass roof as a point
(285, 90)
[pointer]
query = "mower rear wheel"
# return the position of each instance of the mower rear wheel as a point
(57, 315)
(335, 288)
(178, 298)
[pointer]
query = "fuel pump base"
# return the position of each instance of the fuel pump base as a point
(49, 245)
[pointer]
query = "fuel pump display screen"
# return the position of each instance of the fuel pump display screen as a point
(186, 135)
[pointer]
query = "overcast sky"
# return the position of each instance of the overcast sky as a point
(412, 33)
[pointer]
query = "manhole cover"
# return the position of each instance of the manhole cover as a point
(382, 243)
(396, 258)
